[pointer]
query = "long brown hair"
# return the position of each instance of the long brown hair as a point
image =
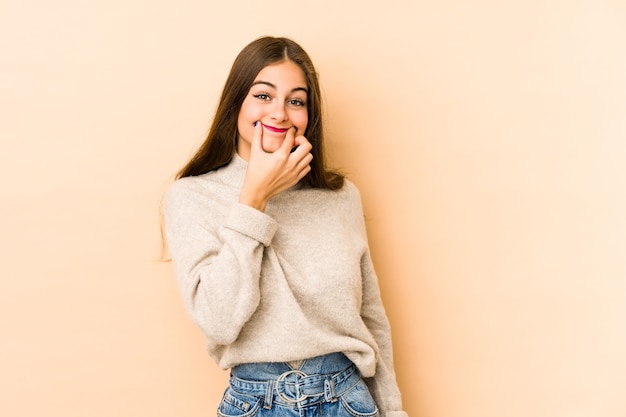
(220, 145)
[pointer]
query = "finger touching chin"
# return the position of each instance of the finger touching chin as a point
(272, 144)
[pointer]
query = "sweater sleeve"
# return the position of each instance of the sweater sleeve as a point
(382, 385)
(217, 260)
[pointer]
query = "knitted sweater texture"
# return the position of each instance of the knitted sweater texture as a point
(290, 283)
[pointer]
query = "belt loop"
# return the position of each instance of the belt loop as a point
(330, 394)
(269, 394)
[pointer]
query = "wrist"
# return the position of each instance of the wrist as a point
(253, 201)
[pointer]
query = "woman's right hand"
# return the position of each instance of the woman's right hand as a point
(269, 174)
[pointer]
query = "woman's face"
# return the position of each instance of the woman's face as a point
(277, 99)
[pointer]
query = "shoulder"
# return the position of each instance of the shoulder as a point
(350, 192)
(347, 191)
(185, 192)
(183, 187)
(349, 187)
(346, 200)
(349, 206)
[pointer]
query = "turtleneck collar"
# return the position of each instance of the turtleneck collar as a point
(235, 172)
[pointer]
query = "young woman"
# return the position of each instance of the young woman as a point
(271, 255)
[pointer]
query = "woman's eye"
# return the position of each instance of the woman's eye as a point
(296, 102)
(262, 96)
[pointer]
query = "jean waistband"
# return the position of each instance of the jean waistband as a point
(295, 385)
(260, 371)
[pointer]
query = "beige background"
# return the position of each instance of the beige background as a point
(488, 141)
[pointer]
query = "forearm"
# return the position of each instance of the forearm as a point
(218, 269)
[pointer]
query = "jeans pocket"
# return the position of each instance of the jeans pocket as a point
(358, 401)
(236, 404)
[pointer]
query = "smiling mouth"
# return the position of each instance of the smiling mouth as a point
(275, 129)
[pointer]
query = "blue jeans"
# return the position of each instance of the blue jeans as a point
(328, 385)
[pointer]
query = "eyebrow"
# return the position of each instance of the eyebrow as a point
(269, 84)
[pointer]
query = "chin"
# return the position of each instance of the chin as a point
(271, 146)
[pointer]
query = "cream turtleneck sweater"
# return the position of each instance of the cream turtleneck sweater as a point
(290, 283)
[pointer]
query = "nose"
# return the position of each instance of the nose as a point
(278, 112)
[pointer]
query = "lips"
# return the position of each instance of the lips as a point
(275, 129)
